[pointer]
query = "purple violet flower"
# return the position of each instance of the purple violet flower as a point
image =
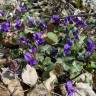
(68, 20)
(80, 23)
(22, 8)
(33, 50)
(1, 13)
(39, 42)
(37, 37)
(31, 22)
(18, 24)
(90, 46)
(76, 35)
(67, 49)
(28, 57)
(56, 19)
(24, 40)
(70, 88)
(6, 26)
(33, 62)
(43, 26)
(69, 41)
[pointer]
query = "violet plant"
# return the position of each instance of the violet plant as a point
(43, 44)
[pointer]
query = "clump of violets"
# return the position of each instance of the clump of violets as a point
(68, 20)
(38, 38)
(75, 20)
(5, 27)
(70, 88)
(31, 60)
(80, 23)
(29, 42)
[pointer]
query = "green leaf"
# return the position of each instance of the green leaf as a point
(92, 65)
(22, 34)
(93, 58)
(79, 4)
(45, 48)
(75, 68)
(70, 27)
(68, 58)
(25, 16)
(66, 66)
(81, 56)
(52, 36)
(59, 60)
(82, 39)
(47, 61)
(48, 65)
(60, 29)
(39, 57)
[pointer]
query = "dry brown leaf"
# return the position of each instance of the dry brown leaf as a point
(2, 61)
(4, 91)
(85, 77)
(49, 82)
(39, 90)
(83, 89)
(15, 88)
(12, 82)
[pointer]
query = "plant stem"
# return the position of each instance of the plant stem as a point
(82, 71)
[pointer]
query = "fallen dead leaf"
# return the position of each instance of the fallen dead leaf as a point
(4, 91)
(48, 82)
(83, 89)
(12, 82)
(29, 75)
(39, 90)
(15, 88)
